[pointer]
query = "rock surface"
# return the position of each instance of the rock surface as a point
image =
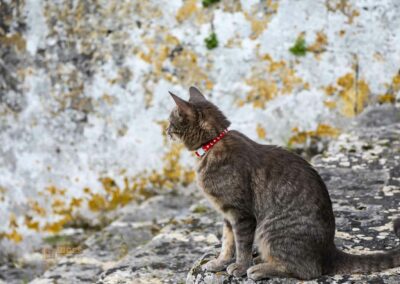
(136, 226)
(362, 172)
(83, 88)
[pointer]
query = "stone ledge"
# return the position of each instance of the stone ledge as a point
(362, 172)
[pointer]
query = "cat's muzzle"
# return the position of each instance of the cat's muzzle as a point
(170, 133)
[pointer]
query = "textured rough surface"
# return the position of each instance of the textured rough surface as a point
(83, 91)
(135, 227)
(362, 172)
(83, 97)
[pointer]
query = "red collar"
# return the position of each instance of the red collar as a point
(206, 147)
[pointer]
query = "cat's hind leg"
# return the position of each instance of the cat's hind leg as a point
(227, 251)
(266, 270)
(258, 260)
(265, 265)
(285, 256)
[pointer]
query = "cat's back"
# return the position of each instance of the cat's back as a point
(276, 174)
(240, 148)
(269, 164)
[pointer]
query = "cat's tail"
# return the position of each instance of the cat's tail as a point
(344, 263)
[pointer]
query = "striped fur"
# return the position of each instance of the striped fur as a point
(270, 198)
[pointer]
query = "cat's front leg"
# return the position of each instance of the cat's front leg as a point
(227, 251)
(243, 231)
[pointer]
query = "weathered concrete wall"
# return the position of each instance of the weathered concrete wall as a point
(83, 90)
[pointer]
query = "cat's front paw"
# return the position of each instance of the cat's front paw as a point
(237, 269)
(216, 264)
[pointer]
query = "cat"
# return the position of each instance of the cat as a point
(268, 196)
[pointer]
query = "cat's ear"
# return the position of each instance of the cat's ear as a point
(196, 95)
(183, 106)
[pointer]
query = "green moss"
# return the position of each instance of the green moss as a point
(207, 3)
(211, 41)
(58, 240)
(200, 209)
(299, 48)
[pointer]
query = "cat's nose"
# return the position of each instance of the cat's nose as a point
(169, 132)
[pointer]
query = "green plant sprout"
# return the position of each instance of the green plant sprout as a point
(207, 3)
(211, 41)
(299, 48)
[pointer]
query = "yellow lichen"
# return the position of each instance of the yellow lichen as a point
(57, 203)
(188, 177)
(55, 191)
(172, 169)
(110, 100)
(75, 202)
(330, 90)
(57, 226)
(13, 236)
(257, 25)
(386, 99)
(330, 104)
(322, 131)
(164, 124)
(392, 89)
(13, 221)
(261, 133)
(262, 91)
(353, 94)
(142, 185)
(188, 70)
(259, 21)
(396, 83)
(344, 7)
(112, 197)
(188, 8)
(31, 224)
(320, 43)
(116, 196)
(325, 130)
(97, 202)
(266, 84)
(394, 86)
(299, 137)
(35, 207)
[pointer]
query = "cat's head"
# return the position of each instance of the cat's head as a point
(197, 121)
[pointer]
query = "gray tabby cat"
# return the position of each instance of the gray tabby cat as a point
(268, 196)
